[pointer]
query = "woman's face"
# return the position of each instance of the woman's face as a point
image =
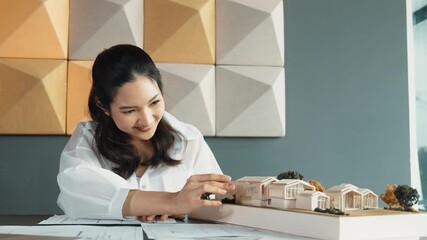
(138, 108)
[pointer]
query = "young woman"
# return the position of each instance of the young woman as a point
(134, 159)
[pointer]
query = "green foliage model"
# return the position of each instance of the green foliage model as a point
(290, 175)
(407, 196)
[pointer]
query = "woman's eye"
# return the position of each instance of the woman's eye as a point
(129, 111)
(155, 102)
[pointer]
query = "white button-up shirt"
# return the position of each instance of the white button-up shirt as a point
(90, 189)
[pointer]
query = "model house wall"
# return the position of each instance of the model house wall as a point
(311, 200)
(283, 193)
(369, 198)
(252, 190)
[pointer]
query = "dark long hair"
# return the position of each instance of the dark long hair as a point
(113, 68)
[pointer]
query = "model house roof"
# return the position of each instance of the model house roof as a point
(343, 188)
(258, 179)
(290, 182)
(365, 191)
(287, 181)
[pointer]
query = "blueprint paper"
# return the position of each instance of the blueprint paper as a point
(77, 231)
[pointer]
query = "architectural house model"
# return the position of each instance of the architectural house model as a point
(311, 200)
(283, 193)
(293, 203)
(268, 191)
(251, 191)
(349, 197)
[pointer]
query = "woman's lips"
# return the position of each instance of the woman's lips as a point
(143, 129)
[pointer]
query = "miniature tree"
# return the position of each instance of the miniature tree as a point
(388, 196)
(407, 196)
(290, 175)
(319, 187)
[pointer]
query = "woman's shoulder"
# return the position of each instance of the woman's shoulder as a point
(84, 132)
(85, 126)
(82, 146)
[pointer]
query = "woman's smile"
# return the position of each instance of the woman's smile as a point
(143, 129)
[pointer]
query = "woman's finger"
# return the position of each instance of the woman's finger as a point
(210, 177)
(209, 188)
(226, 185)
(149, 218)
(178, 216)
(211, 203)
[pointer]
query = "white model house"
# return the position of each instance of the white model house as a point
(369, 198)
(349, 197)
(345, 197)
(283, 193)
(311, 200)
(252, 190)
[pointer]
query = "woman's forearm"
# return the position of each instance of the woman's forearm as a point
(144, 203)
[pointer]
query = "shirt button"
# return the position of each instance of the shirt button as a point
(143, 186)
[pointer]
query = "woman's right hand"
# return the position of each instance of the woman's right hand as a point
(189, 199)
(150, 218)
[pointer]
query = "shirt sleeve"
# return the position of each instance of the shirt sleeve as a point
(88, 189)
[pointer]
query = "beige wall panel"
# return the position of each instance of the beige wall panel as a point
(250, 101)
(34, 28)
(190, 94)
(180, 31)
(99, 24)
(79, 84)
(250, 32)
(32, 96)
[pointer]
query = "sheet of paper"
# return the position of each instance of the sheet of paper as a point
(81, 232)
(63, 219)
(210, 231)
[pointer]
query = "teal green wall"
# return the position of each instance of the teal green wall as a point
(346, 110)
(346, 98)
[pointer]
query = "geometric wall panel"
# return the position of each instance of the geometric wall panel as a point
(34, 29)
(99, 24)
(250, 101)
(32, 96)
(250, 32)
(190, 94)
(221, 60)
(180, 31)
(79, 84)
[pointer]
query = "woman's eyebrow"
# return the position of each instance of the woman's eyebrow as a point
(130, 107)
(126, 107)
(153, 98)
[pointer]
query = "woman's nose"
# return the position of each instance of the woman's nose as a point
(145, 118)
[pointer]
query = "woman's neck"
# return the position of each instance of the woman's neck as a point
(145, 150)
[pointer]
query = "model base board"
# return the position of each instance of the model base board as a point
(366, 224)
